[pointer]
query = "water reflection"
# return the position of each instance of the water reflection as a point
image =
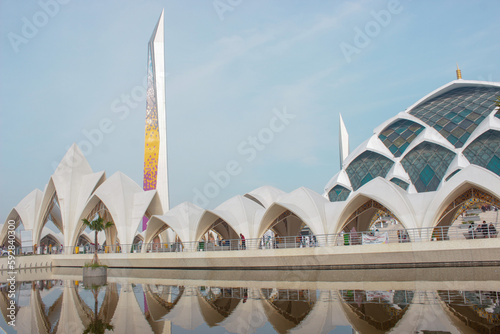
(65, 306)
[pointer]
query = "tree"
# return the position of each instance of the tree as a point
(498, 102)
(97, 225)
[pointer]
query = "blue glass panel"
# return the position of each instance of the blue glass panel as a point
(426, 165)
(399, 134)
(400, 183)
(426, 175)
(484, 151)
(338, 194)
(460, 107)
(366, 166)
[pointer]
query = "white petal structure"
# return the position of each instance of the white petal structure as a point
(126, 203)
(422, 167)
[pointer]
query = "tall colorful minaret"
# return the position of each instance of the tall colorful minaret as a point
(155, 149)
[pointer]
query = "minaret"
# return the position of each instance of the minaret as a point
(459, 73)
(343, 141)
(155, 149)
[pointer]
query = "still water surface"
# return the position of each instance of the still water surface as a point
(167, 302)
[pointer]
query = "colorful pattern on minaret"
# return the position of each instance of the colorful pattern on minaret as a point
(152, 139)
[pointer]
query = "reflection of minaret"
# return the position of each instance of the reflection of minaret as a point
(343, 141)
(155, 149)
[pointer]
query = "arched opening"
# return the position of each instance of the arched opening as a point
(463, 217)
(165, 239)
(14, 239)
(111, 243)
(372, 223)
(49, 244)
(288, 230)
(51, 219)
(218, 235)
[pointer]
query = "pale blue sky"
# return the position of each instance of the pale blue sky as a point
(225, 78)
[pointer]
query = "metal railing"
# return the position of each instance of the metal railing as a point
(439, 233)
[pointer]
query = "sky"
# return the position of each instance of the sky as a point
(253, 88)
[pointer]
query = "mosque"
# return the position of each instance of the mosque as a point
(421, 169)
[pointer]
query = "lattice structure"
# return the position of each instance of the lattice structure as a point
(426, 165)
(457, 113)
(485, 151)
(367, 166)
(398, 135)
(338, 194)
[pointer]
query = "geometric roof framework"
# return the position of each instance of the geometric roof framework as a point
(404, 185)
(338, 194)
(398, 135)
(367, 166)
(426, 165)
(485, 151)
(457, 113)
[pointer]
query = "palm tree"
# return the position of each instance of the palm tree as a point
(97, 225)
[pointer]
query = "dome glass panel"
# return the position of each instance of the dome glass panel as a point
(338, 194)
(398, 135)
(457, 113)
(426, 165)
(404, 185)
(367, 166)
(485, 151)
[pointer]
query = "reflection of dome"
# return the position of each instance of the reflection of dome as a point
(453, 127)
(375, 311)
(479, 310)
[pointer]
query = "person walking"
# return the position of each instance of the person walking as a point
(243, 245)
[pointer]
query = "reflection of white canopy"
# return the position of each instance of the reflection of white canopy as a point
(324, 317)
(187, 313)
(246, 317)
(128, 317)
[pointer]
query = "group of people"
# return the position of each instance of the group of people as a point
(482, 230)
(44, 249)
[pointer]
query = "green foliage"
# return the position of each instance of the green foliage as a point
(97, 224)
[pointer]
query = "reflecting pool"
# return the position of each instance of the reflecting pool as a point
(161, 301)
